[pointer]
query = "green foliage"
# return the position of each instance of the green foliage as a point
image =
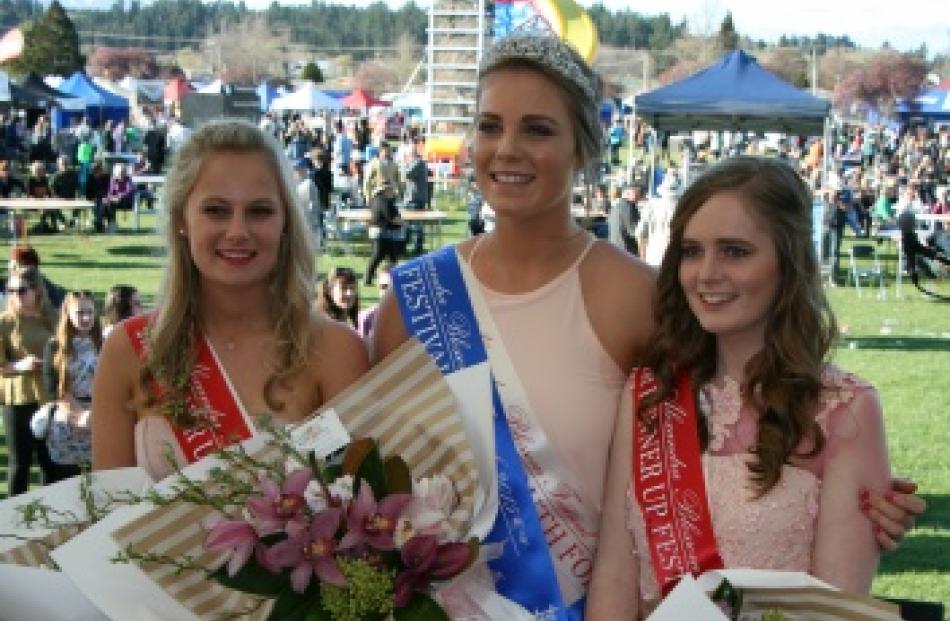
(728, 38)
(364, 461)
(311, 71)
(293, 606)
(252, 578)
(420, 608)
(368, 593)
(51, 45)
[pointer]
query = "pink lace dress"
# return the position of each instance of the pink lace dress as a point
(776, 530)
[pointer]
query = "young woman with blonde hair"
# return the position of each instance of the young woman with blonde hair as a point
(25, 326)
(69, 363)
(234, 333)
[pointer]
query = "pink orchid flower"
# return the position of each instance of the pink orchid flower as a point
(371, 524)
(310, 551)
(280, 506)
(238, 537)
(426, 560)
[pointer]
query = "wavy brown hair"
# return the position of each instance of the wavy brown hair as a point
(65, 331)
(172, 333)
(785, 376)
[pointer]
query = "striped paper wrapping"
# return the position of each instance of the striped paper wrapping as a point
(817, 604)
(404, 403)
(407, 406)
(35, 553)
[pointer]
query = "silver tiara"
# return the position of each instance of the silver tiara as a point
(547, 51)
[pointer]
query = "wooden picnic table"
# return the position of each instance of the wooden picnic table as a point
(20, 205)
(426, 217)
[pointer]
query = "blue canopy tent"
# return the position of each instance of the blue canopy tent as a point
(932, 104)
(100, 103)
(734, 94)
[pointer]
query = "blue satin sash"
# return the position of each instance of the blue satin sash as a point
(436, 309)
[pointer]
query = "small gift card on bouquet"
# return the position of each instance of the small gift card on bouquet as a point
(765, 595)
(278, 528)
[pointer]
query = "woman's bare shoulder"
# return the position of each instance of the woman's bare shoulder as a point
(339, 356)
(335, 340)
(619, 291)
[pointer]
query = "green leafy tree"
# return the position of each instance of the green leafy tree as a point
(311, 71)
(51, 45)
(728, 39)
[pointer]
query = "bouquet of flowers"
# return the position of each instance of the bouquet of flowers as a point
(765, 595)
(360, 512)
(356, 539)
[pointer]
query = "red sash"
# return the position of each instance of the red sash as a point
(208, 394)
(668, 482)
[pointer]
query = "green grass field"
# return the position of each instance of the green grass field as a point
(901, 344)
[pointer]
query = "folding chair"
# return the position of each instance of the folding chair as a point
(870, 268)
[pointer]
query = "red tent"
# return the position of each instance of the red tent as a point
(175, 90)
(362, 100)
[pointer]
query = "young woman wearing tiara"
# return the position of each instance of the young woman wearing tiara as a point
(562, 317)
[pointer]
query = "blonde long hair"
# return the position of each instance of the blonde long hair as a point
(65, 331)
(171, 338)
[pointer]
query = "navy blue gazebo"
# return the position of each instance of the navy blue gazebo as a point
(100, 103)
(734, 94)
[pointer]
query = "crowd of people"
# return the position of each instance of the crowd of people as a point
(49, 346)
(589, 347)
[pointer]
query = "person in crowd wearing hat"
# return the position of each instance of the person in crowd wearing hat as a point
(386, 228)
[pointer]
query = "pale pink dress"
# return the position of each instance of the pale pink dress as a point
(776, 530)
(571, 381)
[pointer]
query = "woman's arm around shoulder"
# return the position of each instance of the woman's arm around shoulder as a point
(615, 586)
(343, 358)
(619, 295)
(113, 389)
(845, 550)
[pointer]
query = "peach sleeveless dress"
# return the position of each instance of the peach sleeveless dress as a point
(571, 381)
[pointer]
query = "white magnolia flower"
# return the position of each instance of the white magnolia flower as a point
(342, 488)
(433, 500)
(437, 493)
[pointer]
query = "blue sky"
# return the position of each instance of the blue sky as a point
(904, 23)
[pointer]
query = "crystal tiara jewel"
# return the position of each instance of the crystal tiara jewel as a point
(546, 50)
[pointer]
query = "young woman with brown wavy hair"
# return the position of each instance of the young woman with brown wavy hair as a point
(233, 334)
(787, 447)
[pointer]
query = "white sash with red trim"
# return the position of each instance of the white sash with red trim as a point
(211, 397)
(668, 483)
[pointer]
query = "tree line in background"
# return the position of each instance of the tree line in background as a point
(379, 48)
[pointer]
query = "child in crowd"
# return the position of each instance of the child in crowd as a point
(340, 296)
